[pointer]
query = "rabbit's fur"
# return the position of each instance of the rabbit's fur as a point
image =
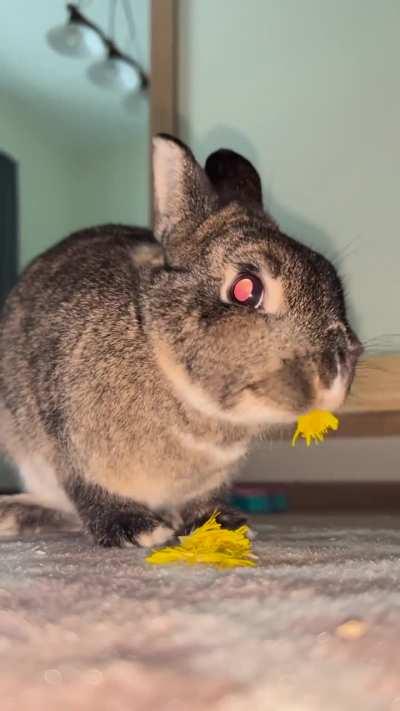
(130, 385)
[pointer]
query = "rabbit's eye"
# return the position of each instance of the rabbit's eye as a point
(247, 289)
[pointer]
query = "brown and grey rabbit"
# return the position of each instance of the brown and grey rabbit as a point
(135, 369)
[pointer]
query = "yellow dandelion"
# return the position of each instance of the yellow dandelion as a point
(210, 544)
(314, 426)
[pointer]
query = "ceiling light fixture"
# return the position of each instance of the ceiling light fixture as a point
(117, 71)
(81, 37)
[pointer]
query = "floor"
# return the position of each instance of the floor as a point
(88, 629)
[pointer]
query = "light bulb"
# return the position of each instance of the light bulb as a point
(114, 73)
(75, 39)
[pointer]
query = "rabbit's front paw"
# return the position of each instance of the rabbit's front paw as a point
(114, 521)
(157, 537)
(127, 529)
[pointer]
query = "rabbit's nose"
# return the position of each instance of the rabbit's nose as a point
(346, 345)
(353, 352)
(356, 348)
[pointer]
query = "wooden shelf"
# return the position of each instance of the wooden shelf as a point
(373, 407)
(369, 424)
(376, 387)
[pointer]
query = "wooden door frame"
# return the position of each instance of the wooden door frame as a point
(163, 74)
(163, 94)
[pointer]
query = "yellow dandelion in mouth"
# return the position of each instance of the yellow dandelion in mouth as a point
(314, 426)
(210, 544)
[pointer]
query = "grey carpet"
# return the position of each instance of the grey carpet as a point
(89, 629)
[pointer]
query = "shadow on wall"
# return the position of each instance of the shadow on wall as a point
(293, 224)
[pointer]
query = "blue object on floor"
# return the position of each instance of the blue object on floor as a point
(259, 501)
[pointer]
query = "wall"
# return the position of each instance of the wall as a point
(63, 187)
(111, 183)
(310, 92)
(44, 177)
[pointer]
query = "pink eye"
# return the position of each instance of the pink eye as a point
(247, 289)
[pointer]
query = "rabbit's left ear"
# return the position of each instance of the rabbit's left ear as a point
(234, 178)
(183, 193)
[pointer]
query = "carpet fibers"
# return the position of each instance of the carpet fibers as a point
(85, 629)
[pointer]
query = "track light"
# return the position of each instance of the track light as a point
(117, 71)
(80, 37)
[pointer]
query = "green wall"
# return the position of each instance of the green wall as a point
(310, 91)
(111, 182)
(66, 186)
(43, 173)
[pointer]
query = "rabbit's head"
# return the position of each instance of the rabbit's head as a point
(247, 324)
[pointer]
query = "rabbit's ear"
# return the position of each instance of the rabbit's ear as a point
(182, 191)
(234, 178)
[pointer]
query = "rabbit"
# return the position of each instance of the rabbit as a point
(137, 367)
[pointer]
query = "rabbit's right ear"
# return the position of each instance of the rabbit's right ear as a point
(234, 178)
(182, 191)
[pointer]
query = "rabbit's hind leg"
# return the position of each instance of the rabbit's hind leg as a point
(26, 514)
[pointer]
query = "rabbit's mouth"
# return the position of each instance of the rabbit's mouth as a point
(336, 370)
(333, 397)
